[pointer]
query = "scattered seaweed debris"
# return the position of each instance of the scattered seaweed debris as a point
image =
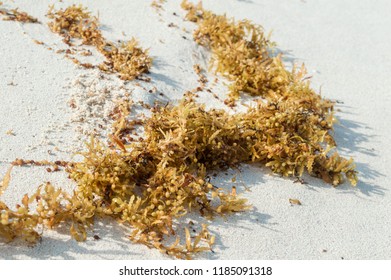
(16, 15)
(56, 164)
(202, 79)
(75, 22)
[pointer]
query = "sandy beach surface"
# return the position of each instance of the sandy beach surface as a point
(345, 46)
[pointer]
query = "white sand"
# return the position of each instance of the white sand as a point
(345, 46)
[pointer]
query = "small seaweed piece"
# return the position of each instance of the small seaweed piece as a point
(75, 22)
(6, 180)
(158, 4)
(20, 223)
(294, 201)
(16, 15)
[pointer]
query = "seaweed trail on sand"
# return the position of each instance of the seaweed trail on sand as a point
(151, 184)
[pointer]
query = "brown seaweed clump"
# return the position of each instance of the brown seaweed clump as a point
(241, 53)
(16, 15)
(300, 120)
(145, 185)
(75, 22)
(149, 185)
(127, 59)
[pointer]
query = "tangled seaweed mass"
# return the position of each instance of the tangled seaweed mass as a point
(151, 184)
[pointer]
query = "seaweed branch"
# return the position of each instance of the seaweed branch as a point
(16, 15)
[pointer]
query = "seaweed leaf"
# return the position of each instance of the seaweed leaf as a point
(6, 180)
